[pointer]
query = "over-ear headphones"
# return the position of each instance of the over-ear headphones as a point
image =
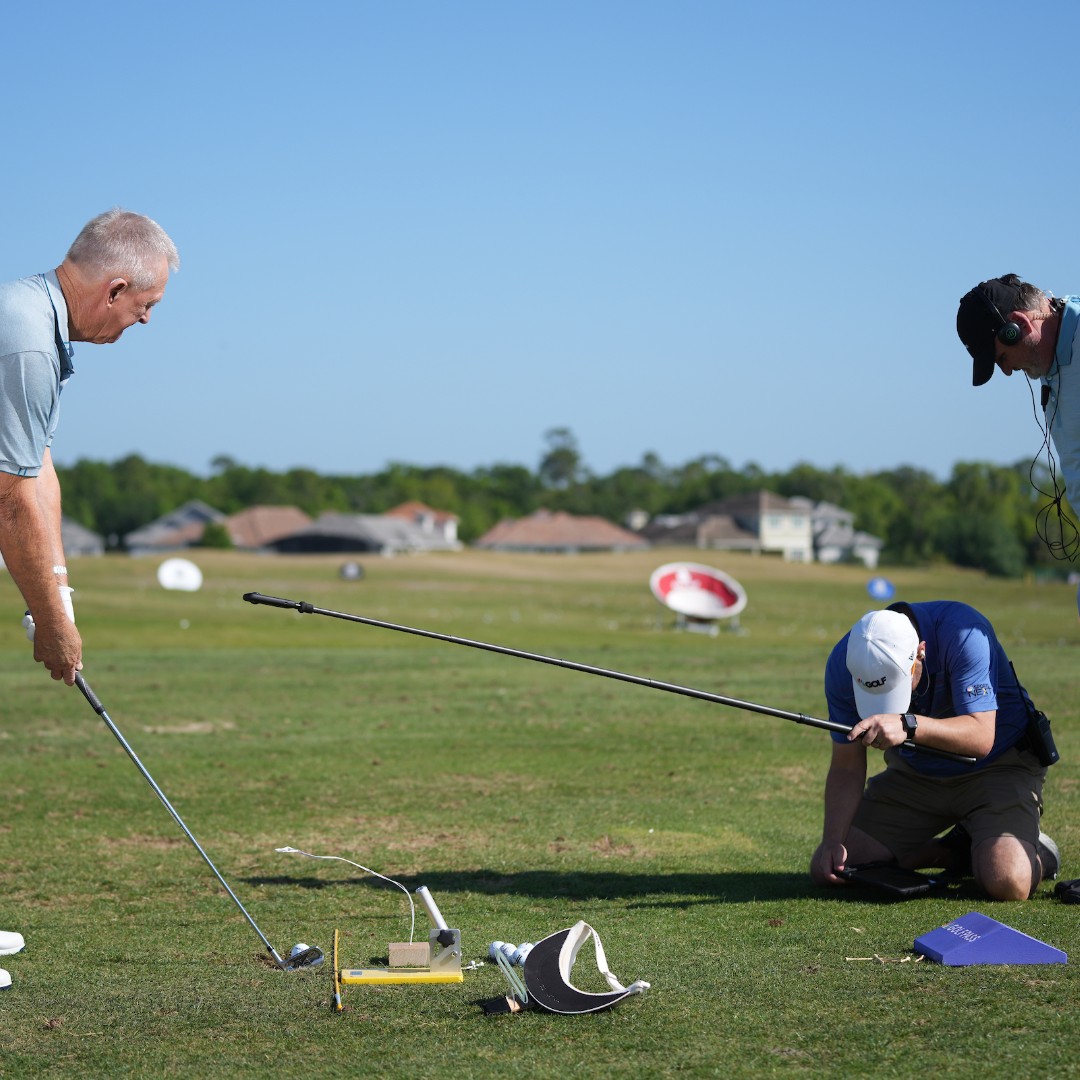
(1008, 333)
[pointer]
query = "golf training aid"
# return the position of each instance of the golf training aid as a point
(412, 963)
(799, 718)
(301, 955)
(438, 960)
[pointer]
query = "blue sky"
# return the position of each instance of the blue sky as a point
(429, 232)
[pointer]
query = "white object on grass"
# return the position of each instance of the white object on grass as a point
(10, 942)
(513, 954)
(180, 574)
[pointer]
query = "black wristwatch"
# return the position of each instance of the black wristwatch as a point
(911, 725)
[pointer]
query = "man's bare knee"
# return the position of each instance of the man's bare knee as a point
(1006, 868)
(1007, 889)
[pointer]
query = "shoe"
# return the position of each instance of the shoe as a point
(958, 842)
(10, 943)
(5, 979)
(1049, 856)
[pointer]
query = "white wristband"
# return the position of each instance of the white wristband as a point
(65, 599)
(58, 570)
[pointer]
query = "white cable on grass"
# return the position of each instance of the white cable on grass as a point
(367, 870)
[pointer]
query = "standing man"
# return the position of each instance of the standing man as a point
(1016, 326)
(110, 279)
(933, 673)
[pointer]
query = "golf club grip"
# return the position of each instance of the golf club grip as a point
(277, 601)
(89, 694)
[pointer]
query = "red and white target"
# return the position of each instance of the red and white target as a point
(697, 592)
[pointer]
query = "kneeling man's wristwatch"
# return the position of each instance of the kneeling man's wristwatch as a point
(911, 725)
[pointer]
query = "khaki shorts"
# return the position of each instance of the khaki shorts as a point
(903, 809)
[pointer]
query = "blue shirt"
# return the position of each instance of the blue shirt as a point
(1062, 407)
(34, 367)
(965, 671)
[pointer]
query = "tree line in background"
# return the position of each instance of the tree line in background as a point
(983, 516)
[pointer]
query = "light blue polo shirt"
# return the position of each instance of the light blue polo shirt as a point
(35, 365)
(1062, 391)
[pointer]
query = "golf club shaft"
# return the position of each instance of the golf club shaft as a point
(305, 608)
(96, 705)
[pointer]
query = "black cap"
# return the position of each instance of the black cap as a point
(982, 313)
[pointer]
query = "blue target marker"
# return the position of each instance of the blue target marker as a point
(880, 588)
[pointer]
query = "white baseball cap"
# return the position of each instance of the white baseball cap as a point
(881, 656)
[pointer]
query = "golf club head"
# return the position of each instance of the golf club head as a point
(310, 957)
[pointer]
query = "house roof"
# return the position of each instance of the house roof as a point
(178, 528)
(361, 532)
(559, 531)
(724, 528)
(78, 539)
(823, 513)
(713, 530)
(258, 526)
(414, 510)
(753, 502)
(866, 540)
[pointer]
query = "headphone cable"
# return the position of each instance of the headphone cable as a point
(1067, 544)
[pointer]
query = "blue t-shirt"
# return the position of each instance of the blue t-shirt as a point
(966, 670)
(34, 367)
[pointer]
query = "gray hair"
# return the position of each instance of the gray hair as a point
(124, 244)
(1028, 297)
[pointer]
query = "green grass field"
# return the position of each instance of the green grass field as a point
(525, 797)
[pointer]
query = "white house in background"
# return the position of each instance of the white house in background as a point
(835, 536)
(437, 523)
(761, 522)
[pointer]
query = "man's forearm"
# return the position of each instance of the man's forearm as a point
(843, 793)
(48, 493)
(30, 543)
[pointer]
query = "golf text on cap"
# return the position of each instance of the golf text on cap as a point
(880, 657)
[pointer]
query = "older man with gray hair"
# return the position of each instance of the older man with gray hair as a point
(1009, 324)
(110, 279)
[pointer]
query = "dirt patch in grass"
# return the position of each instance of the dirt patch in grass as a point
(195, 727)
(140, 842)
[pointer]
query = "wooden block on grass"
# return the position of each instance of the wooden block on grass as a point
(409, 954)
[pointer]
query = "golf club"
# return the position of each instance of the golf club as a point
(305, 608)
(298, 958)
